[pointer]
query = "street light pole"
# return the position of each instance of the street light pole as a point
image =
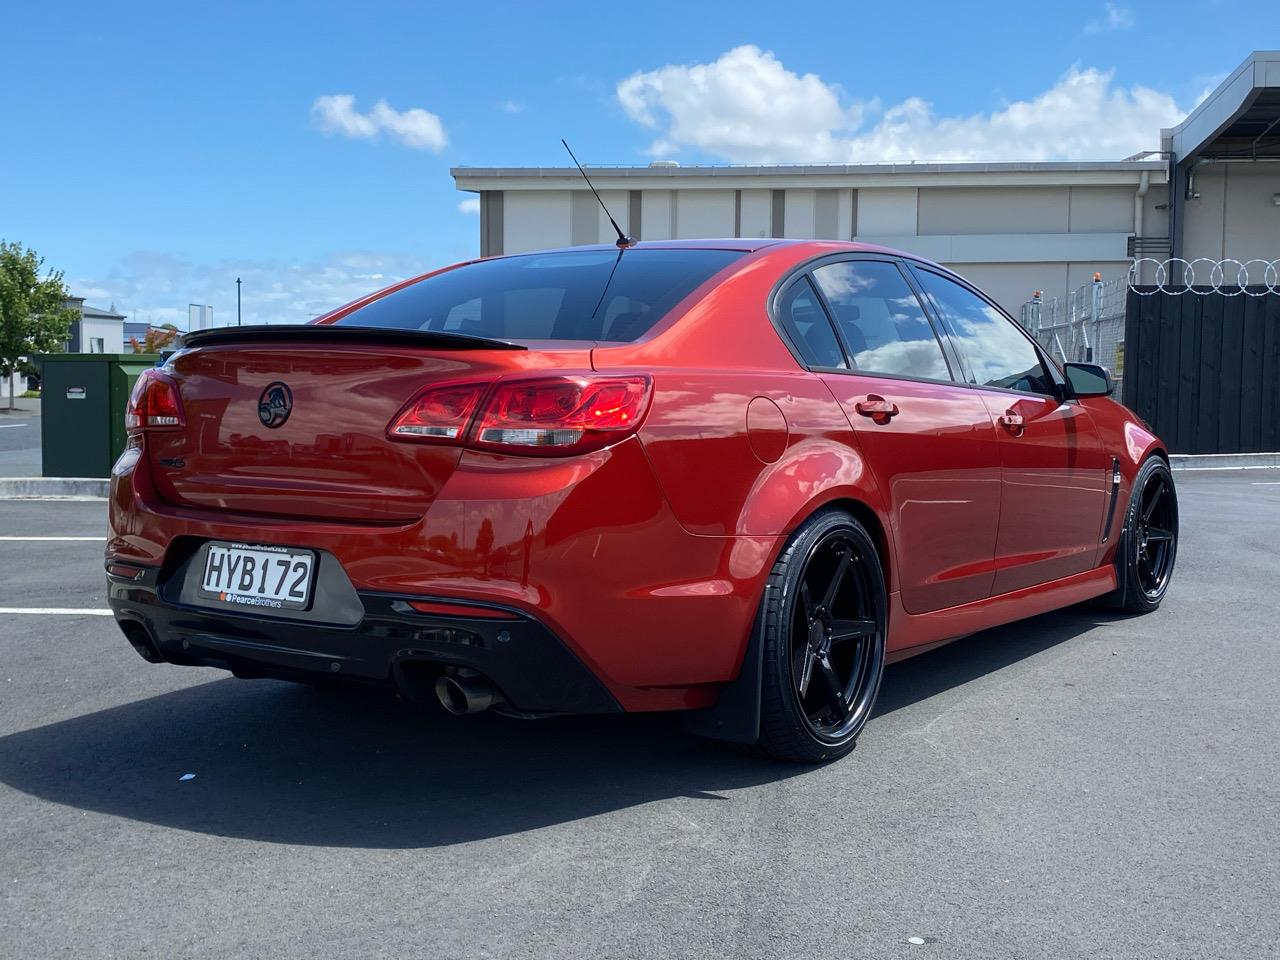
(237, 301)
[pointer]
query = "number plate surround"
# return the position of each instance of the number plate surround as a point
(229, 575)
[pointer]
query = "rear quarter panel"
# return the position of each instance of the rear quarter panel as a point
(751, 453)
(743, 440)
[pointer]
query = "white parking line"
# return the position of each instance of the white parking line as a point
(7, 426)
(40, 539)
(1265, 483)
(59, 611)
(74, 499)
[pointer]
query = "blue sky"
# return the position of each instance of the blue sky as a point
(155, 152)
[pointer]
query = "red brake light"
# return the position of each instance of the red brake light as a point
(561, 414)
(540, 416)
(154, 404)
(438, 413)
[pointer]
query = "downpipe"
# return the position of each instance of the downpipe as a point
(462, 696)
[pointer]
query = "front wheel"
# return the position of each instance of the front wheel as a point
(823, 621)
(1148, 544)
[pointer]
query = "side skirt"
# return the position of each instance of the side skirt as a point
(736, 714)
(910, 634)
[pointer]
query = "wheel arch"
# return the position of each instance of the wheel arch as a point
(735, 716)
(866, 515)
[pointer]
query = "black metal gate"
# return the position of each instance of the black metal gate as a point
(1203, 367)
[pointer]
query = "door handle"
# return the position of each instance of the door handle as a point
(877, 408)
(1012, 422)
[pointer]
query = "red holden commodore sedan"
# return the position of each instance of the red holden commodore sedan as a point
(732, 478)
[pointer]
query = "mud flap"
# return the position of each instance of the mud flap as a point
(736, 715)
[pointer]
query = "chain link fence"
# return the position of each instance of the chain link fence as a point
(1087, 325)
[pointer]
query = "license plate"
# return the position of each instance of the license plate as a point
(257, 576)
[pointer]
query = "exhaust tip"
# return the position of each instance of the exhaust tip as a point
(140, 639)
(465, 695)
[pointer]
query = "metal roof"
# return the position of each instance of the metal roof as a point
(1240, 118)
(98, 314)
(668, 171)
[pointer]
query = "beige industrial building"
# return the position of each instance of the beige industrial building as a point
(1011, 227)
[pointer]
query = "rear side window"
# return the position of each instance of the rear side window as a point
(882, 322)
(997, 352)
(806, 325)
(572, 295)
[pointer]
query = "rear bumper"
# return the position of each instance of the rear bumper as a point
(585, 546)
(392, 644)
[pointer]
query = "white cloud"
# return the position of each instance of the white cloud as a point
(416, 128)
(1209, 84)
(747, 107)
(733, 107)
(157, 287)
(511, 106)
(1115, 17)
(469, 205)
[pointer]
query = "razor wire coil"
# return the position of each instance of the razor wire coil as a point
(1218, 273)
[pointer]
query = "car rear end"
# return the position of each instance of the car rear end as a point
(434, 490)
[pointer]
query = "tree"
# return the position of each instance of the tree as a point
(33, 318)
(154, 340)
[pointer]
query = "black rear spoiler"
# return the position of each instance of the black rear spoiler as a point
(334, 333)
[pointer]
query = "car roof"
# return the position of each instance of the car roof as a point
(816, 248)
(744, 244)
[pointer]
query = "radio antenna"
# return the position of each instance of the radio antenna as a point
(623, 241)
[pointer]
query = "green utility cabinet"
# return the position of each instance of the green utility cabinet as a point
(82, 402)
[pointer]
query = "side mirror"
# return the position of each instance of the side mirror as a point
(1088, 380)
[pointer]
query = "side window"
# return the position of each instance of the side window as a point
(881, 320)
(998, 353)
(806, 323)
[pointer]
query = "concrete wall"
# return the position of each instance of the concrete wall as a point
(978, 210)
(888, 212)
(1010, 239)
(755, 213)
(1235, 215)
(657, 215)
(799, 214)
(619, 204)
(704, 213)
(533, 220)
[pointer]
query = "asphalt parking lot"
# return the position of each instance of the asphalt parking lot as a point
(1073, 785)
(19, 444)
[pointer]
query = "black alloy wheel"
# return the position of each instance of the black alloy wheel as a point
(1148, 545)
(1154, 536)
(824, 618)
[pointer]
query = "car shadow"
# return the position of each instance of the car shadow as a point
(926, 675)
(291, 764)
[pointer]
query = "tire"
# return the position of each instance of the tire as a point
(1148, 543)
(822, 621)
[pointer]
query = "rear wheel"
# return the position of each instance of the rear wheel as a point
(823, 630)
(1149, 543)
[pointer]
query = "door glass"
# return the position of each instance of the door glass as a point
(998, 353)
(881, 320)
(806, 323)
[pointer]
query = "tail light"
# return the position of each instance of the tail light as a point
(548, 416)
(560, 414)
(439, 413)
(154, 404)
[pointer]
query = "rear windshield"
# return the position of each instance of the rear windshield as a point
(574, 295)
